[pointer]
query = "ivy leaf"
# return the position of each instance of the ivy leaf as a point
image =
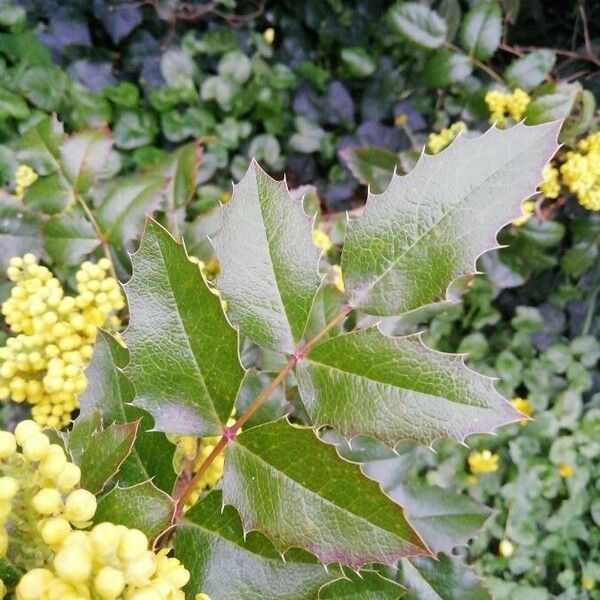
(443, 579)
(104, 453)
(121, 213)
(372, 166)
(141, 506)
(226, 564)
(364, 585)
(428, 228)
(392, 389)
(184, 354)
(419, 24)
(110, 392)
(294, 488)
(482, 29)
(68, 238)
(86, 157)
(19, 230)
(269, 264)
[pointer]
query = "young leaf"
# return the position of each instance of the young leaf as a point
(364, 585)
(428, 228)
(419, 24)
(292, 487)
(482, 29)
(141, 506)
(121, 213)
(269, 264)
(530, 70)
(184, 354)
(110, 392)
(228, 565)
(396, 388)
(446, 578)
(372, 166)
(105, 452)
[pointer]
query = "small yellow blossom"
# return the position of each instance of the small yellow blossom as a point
(565, 470)
(269, 35)
(587, 583)
(550, 186)
(321, 240)
(225, 197)
(202, 597)
(401, 119)
(436, 142)
(338, 279)
(523, 406)
(483, 462)
(506, 548)
(527, 210)
(472, 480)
(580, 172)
(502, 105)
(25, 176)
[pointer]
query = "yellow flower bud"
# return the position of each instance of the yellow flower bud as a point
(80, 506)
(9, 487)
(73, 565)
(68, 478)
(25, 429)
(133, 544)
(105, 539)
(139, 571)
(54, 462)
(146, 594)
(47, 501)
(33, 584)
(35, 447)
(54, 531)
(202, 597)
(3, 542)
(109, 583)
(8, 444)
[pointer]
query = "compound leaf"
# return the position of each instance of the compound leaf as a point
(269, 264)
(428, 228)
(184, 353)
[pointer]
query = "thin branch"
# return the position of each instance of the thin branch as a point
(479, 64)
(520, 50)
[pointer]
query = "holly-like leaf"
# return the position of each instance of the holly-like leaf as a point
(184, 353)
(68, 238)
(269, 264)
(294, 488)
(482, 29)
(121, 213)
(110, 392)
(39, 146)
(372, 166)
(366, 383)
(50, 195)
(225, 564)
(446, 578)
(19, 230)
(428, 228)
(104, 453)
(363, 585)
(141, 506)
(419, 24)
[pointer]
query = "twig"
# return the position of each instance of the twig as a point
(520, 50)
(479, 64)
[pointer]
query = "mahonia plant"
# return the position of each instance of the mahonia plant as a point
(269, 502)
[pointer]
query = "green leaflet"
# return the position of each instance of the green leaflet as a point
(229, 565)
(363, 585)
(111, 392)
(269, 265)
(396, 388)
(293, 488)
(184, 354)
(482, 29)
(428, 228)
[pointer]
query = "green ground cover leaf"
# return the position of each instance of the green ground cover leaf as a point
(269, 264)
(184, 353)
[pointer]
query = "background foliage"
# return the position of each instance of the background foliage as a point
(337, 94)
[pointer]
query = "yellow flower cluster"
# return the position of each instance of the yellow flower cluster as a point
(24, 177)
(580, 171)
(523, 406)
(43, 364)
(527, 210)
(502, 105)
(550, 185)
(565, 470)
(45, 514)
(436, 142)
(483, 462)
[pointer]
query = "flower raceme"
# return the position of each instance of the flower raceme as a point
(46, 532)
(43, 363)
(502, 106)
(436, 142)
